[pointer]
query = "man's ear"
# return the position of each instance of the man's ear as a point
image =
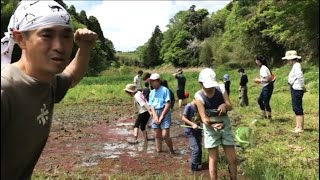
(20, 39)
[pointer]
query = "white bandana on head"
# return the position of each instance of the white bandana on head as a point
(31, 15)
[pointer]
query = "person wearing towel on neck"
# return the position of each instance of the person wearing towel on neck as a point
(40, 78)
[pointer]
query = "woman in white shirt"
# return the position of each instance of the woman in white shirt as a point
(297, 88)
(266, 82)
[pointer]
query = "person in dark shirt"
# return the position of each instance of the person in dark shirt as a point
(180, 86)
(243, 91)
(172, 99)
(146, 90)
(146, 79)
(227, 82)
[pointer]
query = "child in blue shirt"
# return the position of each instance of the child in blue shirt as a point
(159, 102)
(194, 134)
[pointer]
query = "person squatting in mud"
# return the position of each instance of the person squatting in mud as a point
(159, 102)
(213, 103)
(143, 110)
(41, 77)
(191, 118)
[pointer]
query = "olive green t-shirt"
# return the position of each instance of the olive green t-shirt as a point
(26, 116)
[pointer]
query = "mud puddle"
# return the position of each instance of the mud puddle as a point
(104, 146)
(103, 143)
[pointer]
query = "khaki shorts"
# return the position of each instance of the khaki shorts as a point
(214, 138)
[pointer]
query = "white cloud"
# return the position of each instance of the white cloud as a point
(129, 24)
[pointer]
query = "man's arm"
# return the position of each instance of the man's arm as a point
(85, 39)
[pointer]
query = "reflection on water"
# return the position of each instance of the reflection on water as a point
(118, 144)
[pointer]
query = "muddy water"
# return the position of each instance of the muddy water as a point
(99, 143)
(105, 146)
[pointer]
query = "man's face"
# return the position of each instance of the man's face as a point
(48, 49)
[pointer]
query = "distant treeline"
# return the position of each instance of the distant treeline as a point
(231, 36)
(235, 34)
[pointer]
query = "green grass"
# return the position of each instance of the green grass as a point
(271, 156)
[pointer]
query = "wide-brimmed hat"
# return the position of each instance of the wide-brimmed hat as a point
(130, 88)
(208, 78)
(154, 76)
(292, 54)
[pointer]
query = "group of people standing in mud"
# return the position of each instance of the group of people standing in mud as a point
(206, 115)
(209, 107)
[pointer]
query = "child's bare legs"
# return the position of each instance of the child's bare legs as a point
(180, 103)
(157, 137)
(135, 133)
(167, 139)
(144, 133)
(213, 161)
(232, 161)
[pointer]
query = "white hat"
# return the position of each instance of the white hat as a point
(208, 78)
(31, 15)
(154, 76)
(292, 54)
(130, 88)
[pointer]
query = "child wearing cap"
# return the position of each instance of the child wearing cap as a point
(213, 103)
(159, 102)
(143, 109)
(227, 82)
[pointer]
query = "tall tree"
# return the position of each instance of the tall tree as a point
(152, 52)
(205, 56)
(83, 17)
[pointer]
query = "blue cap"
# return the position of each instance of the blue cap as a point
(226, 77)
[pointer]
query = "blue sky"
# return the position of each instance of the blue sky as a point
(129, 24)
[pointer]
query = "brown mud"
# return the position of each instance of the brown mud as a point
(103, 144)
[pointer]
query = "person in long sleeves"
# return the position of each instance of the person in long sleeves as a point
(297, 88)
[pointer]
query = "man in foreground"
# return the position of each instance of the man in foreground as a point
(41, 77)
